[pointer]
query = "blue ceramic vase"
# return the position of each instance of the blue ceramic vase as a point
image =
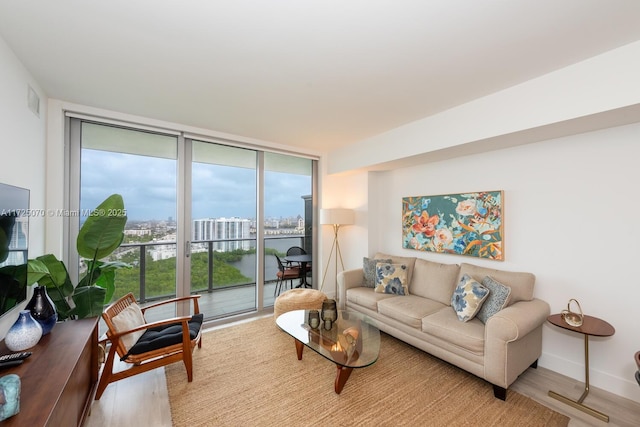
(24, 334)
(42, 309)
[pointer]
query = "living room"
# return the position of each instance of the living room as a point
(562, 146)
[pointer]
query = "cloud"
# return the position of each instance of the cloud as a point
(148, 187)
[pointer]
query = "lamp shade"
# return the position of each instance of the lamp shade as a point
(337, 216)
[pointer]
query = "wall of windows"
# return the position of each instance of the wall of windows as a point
(204, 216)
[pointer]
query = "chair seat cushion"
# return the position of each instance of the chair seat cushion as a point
(166, 335)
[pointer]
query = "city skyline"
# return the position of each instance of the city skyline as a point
(148, 188)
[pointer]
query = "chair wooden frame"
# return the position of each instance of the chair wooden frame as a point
(152, 359)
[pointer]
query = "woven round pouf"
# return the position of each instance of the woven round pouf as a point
(298, 299)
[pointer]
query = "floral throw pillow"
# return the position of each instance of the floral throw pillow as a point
(391, 279)
(369, 270)
(468, 298)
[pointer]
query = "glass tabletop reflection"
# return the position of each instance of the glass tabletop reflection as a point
(353, 340)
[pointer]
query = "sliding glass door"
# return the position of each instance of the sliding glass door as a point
(223, 222)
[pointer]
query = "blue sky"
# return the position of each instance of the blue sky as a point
(148, 187)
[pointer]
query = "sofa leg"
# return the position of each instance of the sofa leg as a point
(499, 392)
(534, 365)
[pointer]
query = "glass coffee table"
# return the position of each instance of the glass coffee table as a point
(352, 342)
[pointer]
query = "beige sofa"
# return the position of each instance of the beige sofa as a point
(498, 351)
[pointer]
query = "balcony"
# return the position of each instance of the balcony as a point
(226, 280)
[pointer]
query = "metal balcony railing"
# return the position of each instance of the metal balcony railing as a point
(152, 276)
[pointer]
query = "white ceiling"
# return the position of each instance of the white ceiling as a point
(316, 74)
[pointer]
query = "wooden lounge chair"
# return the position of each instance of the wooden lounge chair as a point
(145, 345)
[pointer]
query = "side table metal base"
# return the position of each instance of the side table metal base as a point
(580, 406)
(578, 403)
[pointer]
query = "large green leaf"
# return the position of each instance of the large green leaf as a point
(89, 301)
(103, 231)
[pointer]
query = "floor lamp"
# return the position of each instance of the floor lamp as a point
(336, 218)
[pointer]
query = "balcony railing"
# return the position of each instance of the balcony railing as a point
(214, 270)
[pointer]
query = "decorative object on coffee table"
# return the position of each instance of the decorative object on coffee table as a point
(329, 313)
(42, 309)
(24, 334)
(9, 396)
(314, 319)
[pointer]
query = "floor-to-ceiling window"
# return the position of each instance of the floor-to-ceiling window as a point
(288, 213)
(195, 210)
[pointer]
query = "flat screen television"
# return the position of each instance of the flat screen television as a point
(14, 243)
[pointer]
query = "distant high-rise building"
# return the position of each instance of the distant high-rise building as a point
(223, 231)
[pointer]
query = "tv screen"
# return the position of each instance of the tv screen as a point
(14, 242)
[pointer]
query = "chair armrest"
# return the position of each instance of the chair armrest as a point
(346, 280)
(517, 320)
(176, 300)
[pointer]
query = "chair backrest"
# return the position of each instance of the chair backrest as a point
(112, 311)
(296, 250)
(280, 264)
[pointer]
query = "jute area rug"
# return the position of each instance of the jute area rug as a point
(249, 375)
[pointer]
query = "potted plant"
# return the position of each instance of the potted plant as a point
(100, 235)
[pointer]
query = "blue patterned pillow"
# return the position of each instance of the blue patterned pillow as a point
(391, 279)
(369, 270)
(468, 298)
(497, 300)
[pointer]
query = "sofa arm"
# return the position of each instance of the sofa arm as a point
(346, 280)
(513, 341)
(517, 320)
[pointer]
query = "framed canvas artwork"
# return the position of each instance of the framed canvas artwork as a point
(463, 224)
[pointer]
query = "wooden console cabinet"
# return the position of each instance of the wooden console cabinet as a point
(60, 377)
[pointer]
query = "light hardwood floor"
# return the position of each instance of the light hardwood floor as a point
(142, 401)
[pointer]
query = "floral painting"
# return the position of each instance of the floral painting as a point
(463, 224)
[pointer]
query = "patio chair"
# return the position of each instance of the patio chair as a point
(285, 273)
(145, 345)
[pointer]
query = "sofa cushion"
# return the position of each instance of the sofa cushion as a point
(409, 309)
(445, 325)
(408, 261)
(366, 297)
(497, 300)
(391, 279)
(468, 297)
(369, 270)
(434, 280)
(521, 283)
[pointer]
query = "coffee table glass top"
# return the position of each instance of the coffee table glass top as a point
(353, 340)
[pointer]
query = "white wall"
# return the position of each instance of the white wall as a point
(570, 218)
(23, 148)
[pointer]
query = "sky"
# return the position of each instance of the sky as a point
(148, 187)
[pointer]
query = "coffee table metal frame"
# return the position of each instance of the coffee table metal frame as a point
(347, 353)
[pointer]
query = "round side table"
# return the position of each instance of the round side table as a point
(590, 326)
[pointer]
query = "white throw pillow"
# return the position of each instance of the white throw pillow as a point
(129, 318)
